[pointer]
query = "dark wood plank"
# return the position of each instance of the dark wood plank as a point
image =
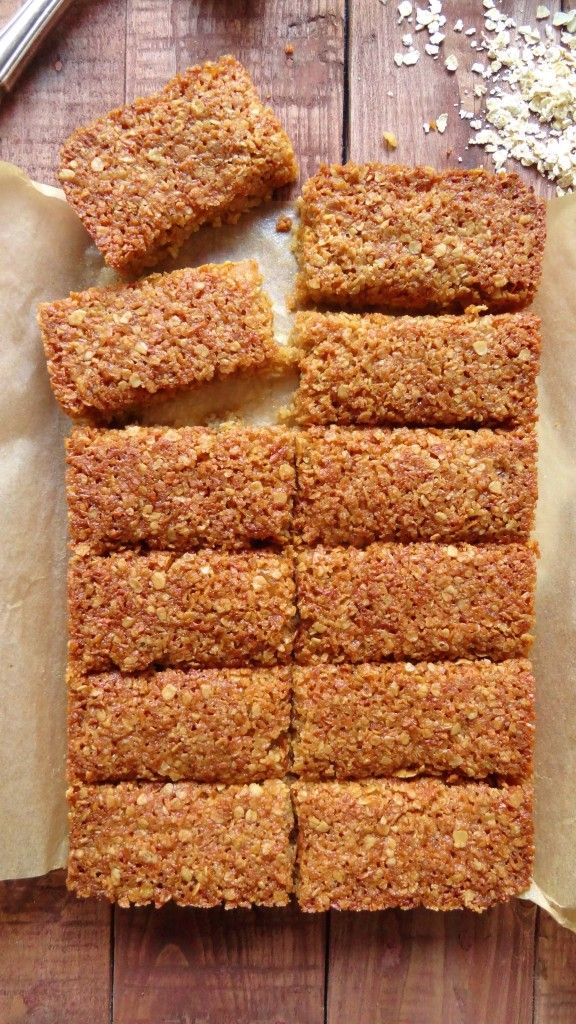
(384, 97)
(555, 973)
(305, 88)
(54, 955)
(78, 73)
(426, 968)
(219, 967)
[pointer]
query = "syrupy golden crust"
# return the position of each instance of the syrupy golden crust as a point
(418, 240)
(109, 349)
(380, 844)
(415, 601)
(210, 725)
(145, 176)
(360, 486)
(469, 718)
(180, 489)
(207, 609)
(197, 845)
(376, 370)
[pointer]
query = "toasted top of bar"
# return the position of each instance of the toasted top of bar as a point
(145, 176)
(375, 369)
(377, 844)
(471, 718)
(211, 725)
(198, 845)
(180, 489)
(417, 239)
(360, 486)
(207, 608)
(414, 601)
(111, 348)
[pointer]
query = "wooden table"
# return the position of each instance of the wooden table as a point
(68, 962)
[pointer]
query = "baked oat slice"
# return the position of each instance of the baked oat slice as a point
(374, 370)
(423, 601)
(468, 718)
(207, 609)
(421, 843)
(416, 239)
(180, 489)
(210, 725)
(360, 486)
(197, 845)
(109, 349)
(201, 151)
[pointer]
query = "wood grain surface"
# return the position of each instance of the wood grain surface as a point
(68, 962)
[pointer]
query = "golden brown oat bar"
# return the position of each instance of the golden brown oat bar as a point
(197, 845)
(359, 486)
(145, 176)
(412, 238)
(208, 609)
(210, 725)
(180, 489)
(446, 370)
(414, 601)
(109, 349)
(474, 718)
(374, 845)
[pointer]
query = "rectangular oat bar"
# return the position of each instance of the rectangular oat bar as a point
(109, 349)
(360, 486)
(210, 725)
(472, 718)
(377, 370)
(198, 845)
(418, 240)
(380, 844)
(145, 176)
(208, 609)
(416, 601)
(179, 489)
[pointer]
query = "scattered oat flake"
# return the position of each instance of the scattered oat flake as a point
(458, 25)
(441, 123)
(478, 68)
(411, 57)
(407, 39)
(469, 31)
(451, 62)
(390, 140)
(404, 9)
(430, 49)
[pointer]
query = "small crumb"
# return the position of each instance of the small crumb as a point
(57, 65)
(441, 123)
(284, 224)
(407, 39)
(404, 9)
(390, 140)
(451, 62)
(426, 127)
(460, 837)
(411, 57)
(458, 25)
(469, 31)
(289, 50)
(478, 68)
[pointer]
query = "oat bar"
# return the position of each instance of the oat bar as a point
(375, 845)
(198, 845)
(210, 725)
(180, 489)
(145, 176)
(416, 239)
(415, 601)
(447, 370)
(109, 349)
(472, 718)
(207, 609)
(360, 486)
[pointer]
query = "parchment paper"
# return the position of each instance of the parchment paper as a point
(44, 253)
